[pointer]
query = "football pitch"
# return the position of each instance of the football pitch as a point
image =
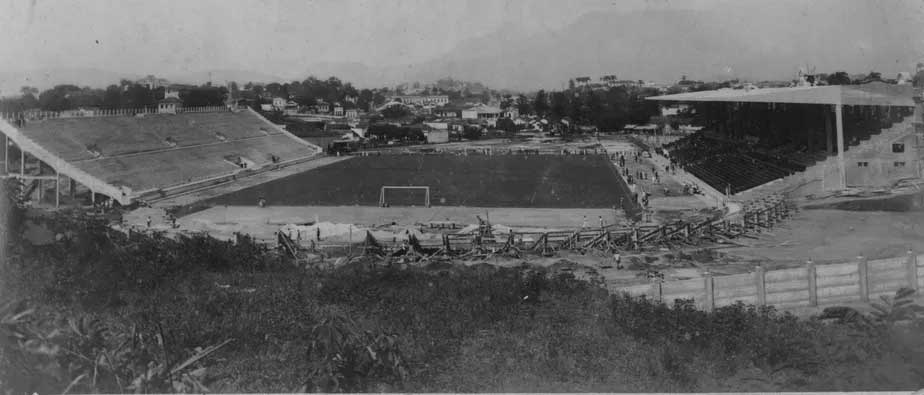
(541, 181)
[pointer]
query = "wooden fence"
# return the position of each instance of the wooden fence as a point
(860, 280)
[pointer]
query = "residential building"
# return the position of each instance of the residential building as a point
(152, 82)
(170, 103)
(422, 100)
(482, 112)
(437, 136)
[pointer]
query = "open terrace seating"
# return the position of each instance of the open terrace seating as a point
(73, 138)
(178, 166)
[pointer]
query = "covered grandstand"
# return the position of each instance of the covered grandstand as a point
(834, 137)
(131, 155)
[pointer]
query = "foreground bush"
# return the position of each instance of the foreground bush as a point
(101, 311)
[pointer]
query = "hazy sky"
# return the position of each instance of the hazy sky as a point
(285, 38)
(282, 37)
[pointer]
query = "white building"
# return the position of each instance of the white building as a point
(482, 112)
(435, 136)
(171, 102)
(279, 103)
(423, 100)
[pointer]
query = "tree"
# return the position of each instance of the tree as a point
(523, 105)
(541, 103)
(507, 125)
(234, 90)
(838, 78)
(57, 98)
(560, 106)
(471, 132)
(29, 91)
(112, 97)
(199, 97)
(396, 111)
(277, 90)
(257, 90)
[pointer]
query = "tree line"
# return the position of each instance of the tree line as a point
(611, 108)
(126, 94)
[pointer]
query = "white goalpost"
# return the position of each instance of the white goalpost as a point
(387, 187)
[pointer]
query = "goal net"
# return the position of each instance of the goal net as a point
(395, 195)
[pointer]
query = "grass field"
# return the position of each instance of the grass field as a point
(475, 181)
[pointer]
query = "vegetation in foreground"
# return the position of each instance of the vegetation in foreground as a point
(100, 311)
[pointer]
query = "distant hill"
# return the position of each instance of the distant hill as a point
(220, 77)
(732, 41)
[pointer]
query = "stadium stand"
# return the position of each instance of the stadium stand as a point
(125, 134)
(738, 164)
(136, 154)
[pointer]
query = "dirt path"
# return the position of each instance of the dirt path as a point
(837, 235)
(223, 221)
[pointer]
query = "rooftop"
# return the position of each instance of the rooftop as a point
(872, 94)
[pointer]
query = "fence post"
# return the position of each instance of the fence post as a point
(760, 277)
(654, 290)
(863, 271)
(709, 302)
(812, 283)
(911, 263)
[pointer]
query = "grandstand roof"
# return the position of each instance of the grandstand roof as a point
(872, 94)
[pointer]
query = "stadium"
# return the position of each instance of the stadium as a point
(228, 171)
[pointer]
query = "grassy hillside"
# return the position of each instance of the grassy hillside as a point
(99, 311)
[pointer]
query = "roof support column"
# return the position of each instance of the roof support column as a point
(839, 122)
(57, 189)
(6, 154)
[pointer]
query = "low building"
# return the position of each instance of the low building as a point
(323, 107)
(338, 110)
(482, 112)
(279, 103)
(171, 102)
(437, 136)
(438, 125)
(447, 111)
(422, 100)
(351, 113)
(152, 82)
(291, 108)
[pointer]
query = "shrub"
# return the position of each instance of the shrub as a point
(347, 357)
(756, 336)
